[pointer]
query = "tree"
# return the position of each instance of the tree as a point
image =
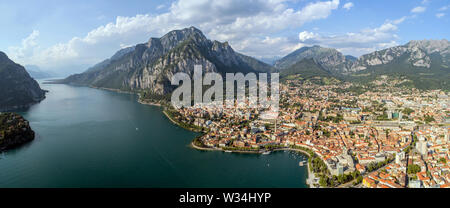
(428, 119)
(320, 117)
(326, 133)
(413, 169)
(359, 179)
(341, 179)
(407, 111)
(331, 182)
(323, 181)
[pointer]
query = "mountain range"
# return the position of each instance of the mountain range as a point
(424, 64)
(416, 53)
(329, 58)
(17, 88)
(149, 67)
(36, 72)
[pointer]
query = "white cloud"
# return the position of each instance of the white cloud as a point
(400, 20)
(28, 46)
(439, 15)
(305, 35)
(162, 6)
(444, 8)
(272, 46)
(418, 9)
(357, 43)
(348, 5)
(250, 26)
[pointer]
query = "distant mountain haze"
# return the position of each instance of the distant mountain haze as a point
(37, 73)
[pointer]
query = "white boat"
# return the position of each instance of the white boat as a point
(266, 152)
(228, 151)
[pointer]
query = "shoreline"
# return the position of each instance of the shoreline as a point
(310, 175)
(139, 100)
(113, 90)
(170, 118)
(20, 107)
(148, 103)
(178, 124)
(144, 102)
(207, 148)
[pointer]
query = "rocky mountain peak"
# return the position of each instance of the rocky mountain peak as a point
(150, 66)
(175, 37)
(3, 57)
(330, 58)
(430, 46)
(417, 53)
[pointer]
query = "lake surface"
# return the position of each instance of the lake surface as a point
(94, 138)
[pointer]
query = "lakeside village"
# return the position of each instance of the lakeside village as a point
(355, 136)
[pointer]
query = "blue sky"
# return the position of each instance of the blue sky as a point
(72, 35)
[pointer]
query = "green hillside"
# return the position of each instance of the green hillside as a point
(435, 77)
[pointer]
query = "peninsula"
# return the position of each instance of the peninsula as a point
(14, 131)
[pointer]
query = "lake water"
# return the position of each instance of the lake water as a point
(94, 138)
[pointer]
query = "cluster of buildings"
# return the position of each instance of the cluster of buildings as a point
(431, 155)
(377, 132)
(10, 122)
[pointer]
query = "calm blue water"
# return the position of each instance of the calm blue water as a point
(95, 138)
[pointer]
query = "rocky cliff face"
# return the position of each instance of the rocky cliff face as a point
(150, 66)
(425, 63)
(17, 88)
(14, 131)
(329, 58)
(417, 54)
